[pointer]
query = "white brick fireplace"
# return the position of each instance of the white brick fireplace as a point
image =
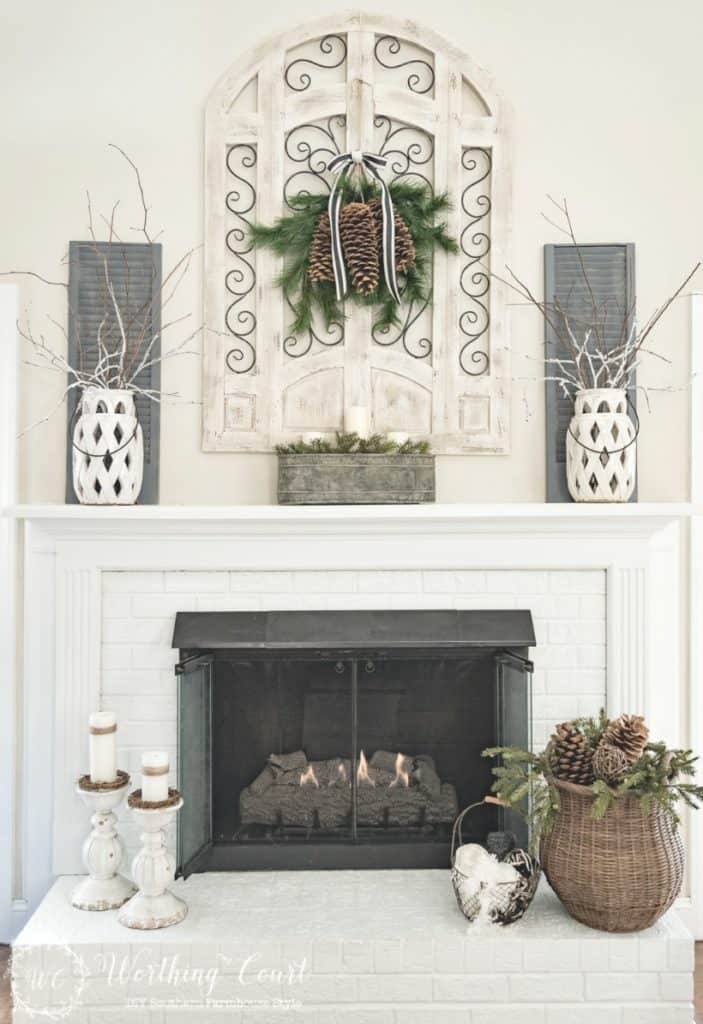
(102, 588)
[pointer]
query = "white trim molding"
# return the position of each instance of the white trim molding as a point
(67, 550)
(695, 596)
(8, 592)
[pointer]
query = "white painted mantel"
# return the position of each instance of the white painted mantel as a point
(68, 548)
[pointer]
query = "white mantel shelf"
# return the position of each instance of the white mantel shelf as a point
(410, 513)
(145, 520)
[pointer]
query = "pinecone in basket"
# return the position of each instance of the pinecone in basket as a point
(570, 755)
(358, 233)
(404, 245)
(629, 734)
(320, 266)
(610, 763)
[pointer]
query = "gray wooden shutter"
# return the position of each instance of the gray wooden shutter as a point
(135, 273)
(611, 272)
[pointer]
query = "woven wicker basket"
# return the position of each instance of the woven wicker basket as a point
(619, 873)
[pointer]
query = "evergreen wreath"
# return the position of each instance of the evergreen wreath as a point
(303, 239)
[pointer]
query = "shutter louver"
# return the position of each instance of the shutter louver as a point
(611, 274)
(135, 273)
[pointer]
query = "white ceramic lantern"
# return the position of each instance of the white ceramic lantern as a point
(601, 449)
(108, 449)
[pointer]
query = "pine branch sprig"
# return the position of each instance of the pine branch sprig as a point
(352, 444)
(525, 780)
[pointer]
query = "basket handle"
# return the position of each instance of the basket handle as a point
(611, 451)
(91, 455)
(456, 829)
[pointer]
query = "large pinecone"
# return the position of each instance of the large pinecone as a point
(358, 233)
(320, 266)
(570, 755)
(404, 245)
(629, 734)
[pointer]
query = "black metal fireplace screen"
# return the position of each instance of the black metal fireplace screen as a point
(343, 739)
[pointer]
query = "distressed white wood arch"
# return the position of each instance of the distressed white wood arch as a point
(447, 378)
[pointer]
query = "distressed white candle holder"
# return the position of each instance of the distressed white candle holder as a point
(153, 868)
(103, 850)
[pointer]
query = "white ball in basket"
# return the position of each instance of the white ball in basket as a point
(474, 860)
(476, 873)
(490, 890)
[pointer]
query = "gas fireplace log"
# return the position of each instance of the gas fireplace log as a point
(421, 770)
(427, 778)
(385, 761)
(286, 805)
(397, 806)
(263, 781)
(406, 806)
(283, 763)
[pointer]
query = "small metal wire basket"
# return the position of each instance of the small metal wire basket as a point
(500, 902)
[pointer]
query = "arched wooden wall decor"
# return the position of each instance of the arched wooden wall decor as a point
(389, 87)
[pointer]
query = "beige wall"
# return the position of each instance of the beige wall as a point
(606, 104)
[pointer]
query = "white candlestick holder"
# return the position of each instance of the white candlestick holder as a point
(153, 868)
(103, 850)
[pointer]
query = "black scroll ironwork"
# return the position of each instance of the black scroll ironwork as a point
(312, 146)
(330, 46)
(409, 152)
(240, 280)
(406, 148)
(475, 245)
(417, 348)
(421, 80)
(296, 346)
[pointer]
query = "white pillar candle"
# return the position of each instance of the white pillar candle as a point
(155, 776)
(312, 435)
(357, 420)
(103, 746)
(399, 436)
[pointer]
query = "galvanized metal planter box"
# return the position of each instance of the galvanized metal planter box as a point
(351, 479)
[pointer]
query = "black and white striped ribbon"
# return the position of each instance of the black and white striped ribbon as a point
(341, 166)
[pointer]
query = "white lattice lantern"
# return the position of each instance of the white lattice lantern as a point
(108, 449)
(601, 449)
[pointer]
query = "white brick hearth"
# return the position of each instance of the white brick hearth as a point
(354, 948)
(138, 682)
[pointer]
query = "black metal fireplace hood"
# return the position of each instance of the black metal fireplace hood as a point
(343, 631)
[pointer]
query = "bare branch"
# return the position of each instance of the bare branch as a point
(118, 315)
(662, 310)
(64, 395)
(145, 223)
(31, 273)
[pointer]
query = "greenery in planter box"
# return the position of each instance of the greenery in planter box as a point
(352, 444)
(648, 771)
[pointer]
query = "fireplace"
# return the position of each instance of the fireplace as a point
(334, 739)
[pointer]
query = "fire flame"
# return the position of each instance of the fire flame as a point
(362, 772)
(309, 776)
(401, 772)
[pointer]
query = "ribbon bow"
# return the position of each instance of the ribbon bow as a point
(341, 166)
